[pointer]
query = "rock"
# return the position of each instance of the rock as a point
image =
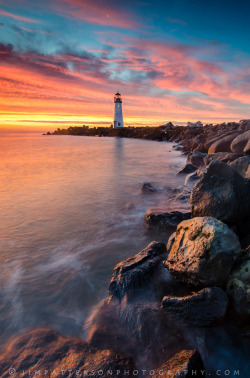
(223, 144)
(240, 142)
(164, 221)
(238, 290)
(245, 124)
(147, 187)
(135, 272)
(193, 177)
(183, 364)
(178, 147)
(138, 329)
(205, 308)
(47, 350)
(222, 193)
(247, 148)
(213, 139)
(225, 157)
(203, 252)
(189, 168)
(242, 166)
(196, 158)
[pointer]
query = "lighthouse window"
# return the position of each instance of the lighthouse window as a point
(118, 105)
(119, 124)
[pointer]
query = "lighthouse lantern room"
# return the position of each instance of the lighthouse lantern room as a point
(118, 118)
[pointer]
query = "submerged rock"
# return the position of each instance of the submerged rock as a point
(147, 187)
(240, 142)
(242, 166)
(164, 221)
(189, 168)
(222, 193)
(205, 308)
(183, 364)
(238, 290)
(203, 252)
(47, 350)
(137, 271)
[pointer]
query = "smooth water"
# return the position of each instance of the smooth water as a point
(71, 209)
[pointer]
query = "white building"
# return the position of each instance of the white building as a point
(118, 118)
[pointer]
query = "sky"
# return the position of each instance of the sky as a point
(61, 61)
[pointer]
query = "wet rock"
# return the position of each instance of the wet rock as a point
(238, 290)
(189, 168)
(196, 158)
(242, 166)
(139, 329)
(205, 308)
(193, 177)
(147, 187)
(137, 271)
(178, 147)
(164, 221)
(244, 125)
(183, 364)
(225, 157)
(44, 349)
(203, 252)
(222, 193)
(240, 142)
(223, 144)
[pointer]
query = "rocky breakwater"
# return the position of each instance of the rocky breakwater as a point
(131, 320)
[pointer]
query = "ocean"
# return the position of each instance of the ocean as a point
(71, 209)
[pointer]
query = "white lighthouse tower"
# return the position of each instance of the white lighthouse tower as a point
(118, 118)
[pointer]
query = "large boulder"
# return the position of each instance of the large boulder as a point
(222, 193)
(205, 308)
(225, 157)
(196, 158)
(223, 144)
(238, 290)
(140, 329)
(242, 166)
(213, 139)
(202, 252)
(137, 271)
(183, 364)
(164, 221)
(46, 350)
(240, 142)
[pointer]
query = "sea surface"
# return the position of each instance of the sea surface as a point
(71, 209)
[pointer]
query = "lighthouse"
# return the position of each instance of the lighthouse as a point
(118, 118)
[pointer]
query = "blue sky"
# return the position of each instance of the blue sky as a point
(172, 60)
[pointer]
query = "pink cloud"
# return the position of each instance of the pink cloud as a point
(97, 12)
(19, 18)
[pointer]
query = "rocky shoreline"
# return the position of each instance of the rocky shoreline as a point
(166, 304)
